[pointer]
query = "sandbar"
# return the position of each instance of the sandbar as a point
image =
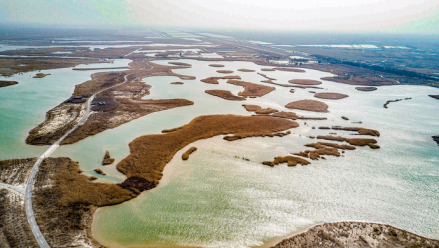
(216, 65)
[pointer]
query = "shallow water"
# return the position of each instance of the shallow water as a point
(216, 199)
(24, 106)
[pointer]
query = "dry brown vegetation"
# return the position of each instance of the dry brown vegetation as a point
(359, 130)
(216, 65)
(366, 88)
(283, 85)
(356, 234)
(40, 75)
(267, 69)
(107, 159)
(259, 110)
(214, 80)
(177, 83)
(185, 155)
(14, 227)
(288, 69)
(290, 160)
(246, 70)
(11, 66)
(225, 94)
(355, 142)
(360, 80)
(308, 105)
(179, 63)
(4, 83)
(64, 201)
(267, 77)
(330, 95)
(16, 171)
(150, 153)
(123, 104)
(131, 107)
(304, 82)
(256, 134)
(224, 71)
(251, 89)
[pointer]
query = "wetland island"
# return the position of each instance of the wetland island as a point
(137, 138)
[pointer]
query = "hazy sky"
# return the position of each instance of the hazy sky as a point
(318, 15)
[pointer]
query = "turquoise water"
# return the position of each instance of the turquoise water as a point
(24, 106)
(218, 200)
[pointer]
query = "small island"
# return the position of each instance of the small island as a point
(331, 96)
(308, 105)
(40, 75)
(224, 71)
(436, 138)
(366, 88)
(4, 83)
(304, 82)
(225, 94)
(216, 65)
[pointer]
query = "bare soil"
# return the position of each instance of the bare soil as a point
(16, 171)
(14, 227)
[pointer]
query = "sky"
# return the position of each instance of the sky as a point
(403, 16)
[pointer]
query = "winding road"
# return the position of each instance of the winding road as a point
(28, 190)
